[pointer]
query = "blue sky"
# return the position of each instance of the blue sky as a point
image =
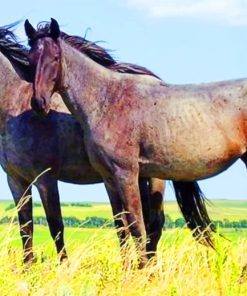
(182, 41)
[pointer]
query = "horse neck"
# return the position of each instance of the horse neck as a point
(85, 85)
(15, 93)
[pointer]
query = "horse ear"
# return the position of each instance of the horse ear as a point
(29, 29)
(54, 29)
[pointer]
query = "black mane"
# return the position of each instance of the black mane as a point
(11, 48)
(97, 53)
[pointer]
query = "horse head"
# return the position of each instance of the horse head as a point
(45, 59)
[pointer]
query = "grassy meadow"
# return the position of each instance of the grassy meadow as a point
(218, 210)
(182, 266)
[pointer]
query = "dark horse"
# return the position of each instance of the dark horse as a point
(30, 144)
(131, 127)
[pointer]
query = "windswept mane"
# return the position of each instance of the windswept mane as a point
(11, 48)
(102, 56)
(97, 53)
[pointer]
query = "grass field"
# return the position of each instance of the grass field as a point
(218, 210)
(183, 267)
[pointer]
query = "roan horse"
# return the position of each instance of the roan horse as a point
(30, 144)
(137, 124)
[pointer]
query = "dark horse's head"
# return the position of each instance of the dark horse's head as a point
(45, 59)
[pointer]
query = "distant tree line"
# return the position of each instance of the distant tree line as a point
(225, 223)
(95, 222)
(76, 204)
(63, 204)
(88, 222)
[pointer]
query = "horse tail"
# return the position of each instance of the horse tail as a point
(191, 202)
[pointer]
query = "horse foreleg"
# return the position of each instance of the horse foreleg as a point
(119, 215)
(24, 208)
(48, 190)
(128, 189)
(156, 217)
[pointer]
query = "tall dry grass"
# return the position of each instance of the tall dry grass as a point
(183, 267)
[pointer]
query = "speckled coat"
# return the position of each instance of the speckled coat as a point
(137, 124)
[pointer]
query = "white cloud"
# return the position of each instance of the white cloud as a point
(231, 12)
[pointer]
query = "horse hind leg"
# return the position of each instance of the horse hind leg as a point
(19, 187)
(145, 200)
(152, 191)
(48, 190)
(156, 217)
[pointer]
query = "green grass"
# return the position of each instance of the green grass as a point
(82, 235)
(97, 209)
(233, 210)
(42, 235)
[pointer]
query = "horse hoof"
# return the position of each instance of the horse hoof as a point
(142, 263)
(30, 260)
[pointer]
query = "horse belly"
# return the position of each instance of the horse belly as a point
(188, 164)
(191, 148)
(79, 172)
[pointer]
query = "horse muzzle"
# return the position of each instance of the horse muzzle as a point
(39, 106)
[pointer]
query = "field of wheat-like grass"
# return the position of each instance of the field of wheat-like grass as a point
(182, 267)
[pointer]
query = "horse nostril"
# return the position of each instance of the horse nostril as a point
(38, 105)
